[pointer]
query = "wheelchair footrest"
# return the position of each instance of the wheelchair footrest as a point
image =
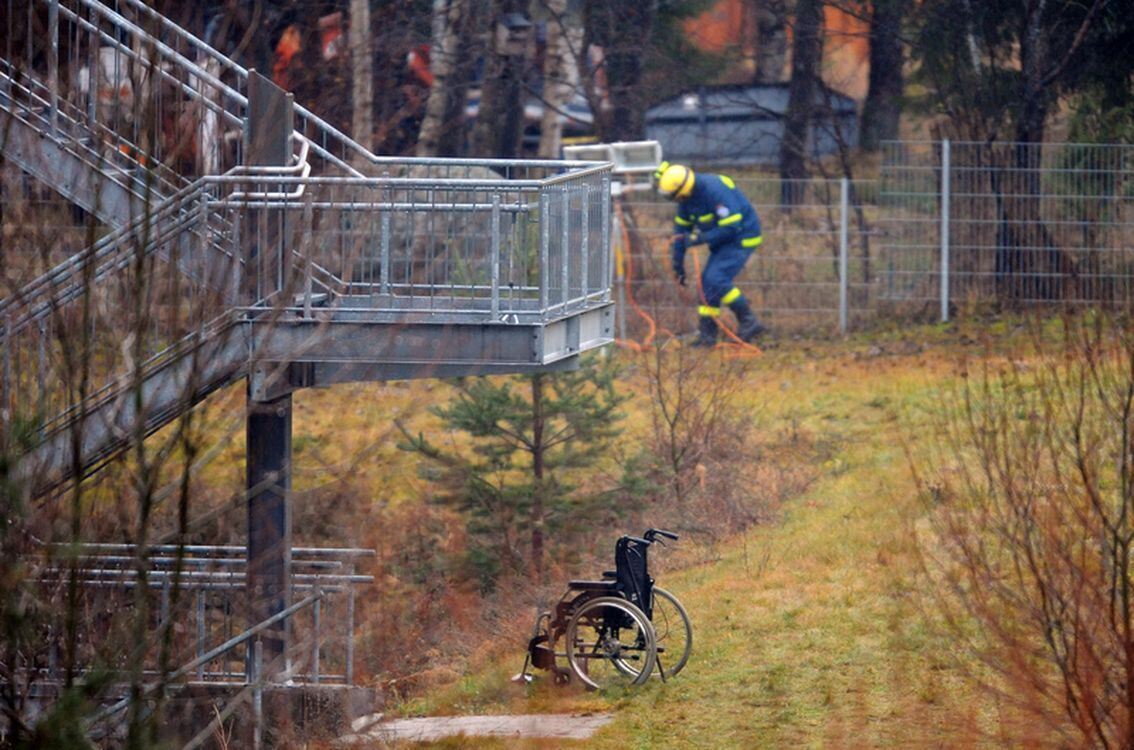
(543, 657)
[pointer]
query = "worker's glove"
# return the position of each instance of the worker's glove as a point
(679, 271)
(678, 257)
(694, 239)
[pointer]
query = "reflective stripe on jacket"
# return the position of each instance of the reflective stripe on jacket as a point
(719, 212)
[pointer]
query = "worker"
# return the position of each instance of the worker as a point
(711, 210)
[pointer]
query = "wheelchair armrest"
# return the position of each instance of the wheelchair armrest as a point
(610, 574)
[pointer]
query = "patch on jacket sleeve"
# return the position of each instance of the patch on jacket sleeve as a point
(722, 210)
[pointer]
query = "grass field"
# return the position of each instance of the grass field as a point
(816, 630)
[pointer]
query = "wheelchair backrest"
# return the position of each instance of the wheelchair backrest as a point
(632, 572)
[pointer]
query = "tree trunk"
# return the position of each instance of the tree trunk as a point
(771, 40)
(1037, 267)
(883, 106)
(362, 74)
(807, 48)
(537, 512)
(499, 124)
(623, 31)
(1033, 97)
(456, 23)
(560, 77)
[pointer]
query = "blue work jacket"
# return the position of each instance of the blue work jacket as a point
(719, 214)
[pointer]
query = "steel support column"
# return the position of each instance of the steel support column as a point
(269, 520)
(268, 427)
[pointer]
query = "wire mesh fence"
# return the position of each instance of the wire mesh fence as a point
(1009, 223)
(945, 226)
(813, 270)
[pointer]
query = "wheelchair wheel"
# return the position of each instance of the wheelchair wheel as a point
(673, 632)
(610, 642)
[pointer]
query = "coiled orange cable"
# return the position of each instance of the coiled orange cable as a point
(745, 348)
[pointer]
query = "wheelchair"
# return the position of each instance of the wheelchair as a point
(618, 631)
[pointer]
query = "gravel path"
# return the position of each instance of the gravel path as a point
(565, 726)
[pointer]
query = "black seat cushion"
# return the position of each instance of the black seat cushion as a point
(592, 585)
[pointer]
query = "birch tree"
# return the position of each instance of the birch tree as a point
(455, 25)
(560, 75)
(771, 40)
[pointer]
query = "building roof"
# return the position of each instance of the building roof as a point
(740, 102)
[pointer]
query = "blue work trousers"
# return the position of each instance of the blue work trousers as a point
(724, 263)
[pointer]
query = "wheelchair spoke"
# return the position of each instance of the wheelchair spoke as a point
(610, 642)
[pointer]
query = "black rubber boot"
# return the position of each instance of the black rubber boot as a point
(707, 333)
(747, 326)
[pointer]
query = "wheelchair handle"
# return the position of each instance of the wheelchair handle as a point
(652, 534)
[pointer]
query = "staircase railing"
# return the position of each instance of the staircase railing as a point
(205, 91)
(268, 248)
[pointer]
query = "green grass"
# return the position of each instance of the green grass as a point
(813, 631)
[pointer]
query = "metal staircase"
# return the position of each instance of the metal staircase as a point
(249, 240)
(305, 274)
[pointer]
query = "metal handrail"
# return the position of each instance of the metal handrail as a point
(205, 658)
(196, 70)
(115, 242)
(347, 143)
(99, 161)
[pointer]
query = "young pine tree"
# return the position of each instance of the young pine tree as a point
(532, 467)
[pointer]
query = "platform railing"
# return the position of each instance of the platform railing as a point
(196, 597)
(168, 95)
(192, 599)
(227, 249)
(467, 250)
(150, 91)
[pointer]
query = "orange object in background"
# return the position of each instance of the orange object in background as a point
(731, 25)
(418, 62)
(289, 45)
(331, 40)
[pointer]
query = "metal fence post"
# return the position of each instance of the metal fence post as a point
(495, 257)
(584, 244)
(564, 244)
(53, 63)
(618, 275)
(258, 694)
(384, 252)
(607, 243)
(349, 672)
(946, 156)
(315, 614)
(6, 375)
(544, 249)
(844, 200)
(201, 632)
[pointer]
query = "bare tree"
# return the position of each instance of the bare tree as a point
(1032, 508)
(702, 449)
(623, 31)
(806, 52)
(500, 117)
(560, 75)
(362, 74)
(883, 105)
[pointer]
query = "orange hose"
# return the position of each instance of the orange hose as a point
(745, 348)
(627, 278)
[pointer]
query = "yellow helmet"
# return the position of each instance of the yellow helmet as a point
(674, 181)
